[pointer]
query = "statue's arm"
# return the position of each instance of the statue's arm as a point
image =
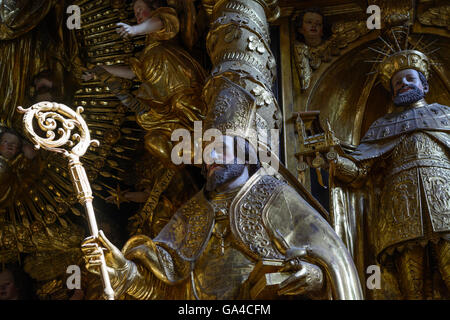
(118, 80)
(151, 25)
(120, 71)
(303, 236)
(351, 172)
(135, 271)
(151, 270)
(162, 25)
(139, 283)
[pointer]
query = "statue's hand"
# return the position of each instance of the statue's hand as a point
(125, 30)
(87, 76)
(29, 151)
(116, 262)
(318, 160)
(306, 277)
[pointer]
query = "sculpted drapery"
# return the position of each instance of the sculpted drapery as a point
(171, 81)
(28, 44)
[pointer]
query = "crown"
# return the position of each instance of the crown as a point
(405, 59)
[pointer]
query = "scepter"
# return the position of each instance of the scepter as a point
(66, 128)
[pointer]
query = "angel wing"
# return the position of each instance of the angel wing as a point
(436, 16)
(347, 32)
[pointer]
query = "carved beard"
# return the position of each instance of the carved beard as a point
(409, 97)
(224, 174)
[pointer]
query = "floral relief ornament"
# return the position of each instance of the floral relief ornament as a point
(255, 44)
(263, 97)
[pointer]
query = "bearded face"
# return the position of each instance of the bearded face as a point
(221, 174)
(408, 97)
(407, 87)
(226, 163)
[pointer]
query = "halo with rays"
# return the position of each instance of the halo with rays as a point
(401, 42)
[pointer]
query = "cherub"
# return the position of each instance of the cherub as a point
(169, 96)
(312, 31)
(14, 153)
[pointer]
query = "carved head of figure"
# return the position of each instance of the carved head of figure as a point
(230, 166)
(15, 283)
(311, 27)
(143, 8)
(404, 73)
(10, 144)
(8, 288)
(408, 86)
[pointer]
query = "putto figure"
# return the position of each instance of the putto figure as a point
(309, 49)
(403, 162)
(169, 96)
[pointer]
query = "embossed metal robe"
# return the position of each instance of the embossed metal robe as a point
(208, 250)
(412, 150)
(406, 199)
(171, 79)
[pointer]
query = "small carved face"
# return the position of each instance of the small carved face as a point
(312, 26)
(406, 80)
(9, 145)
(225, 164)
(8, 290)
(43, 89)
(219, 157)
(141, 11)
(42, 83)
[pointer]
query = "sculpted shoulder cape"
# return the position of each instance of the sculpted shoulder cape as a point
(267, 217)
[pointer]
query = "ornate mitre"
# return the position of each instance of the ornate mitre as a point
(239, 93)
(401, 60)
(244, 109)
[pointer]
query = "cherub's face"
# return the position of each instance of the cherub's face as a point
(42, 83)
(8, 290)
(9, 145)
(312, 25)
(141, 11)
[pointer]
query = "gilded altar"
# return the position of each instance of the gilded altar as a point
(305, 68)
